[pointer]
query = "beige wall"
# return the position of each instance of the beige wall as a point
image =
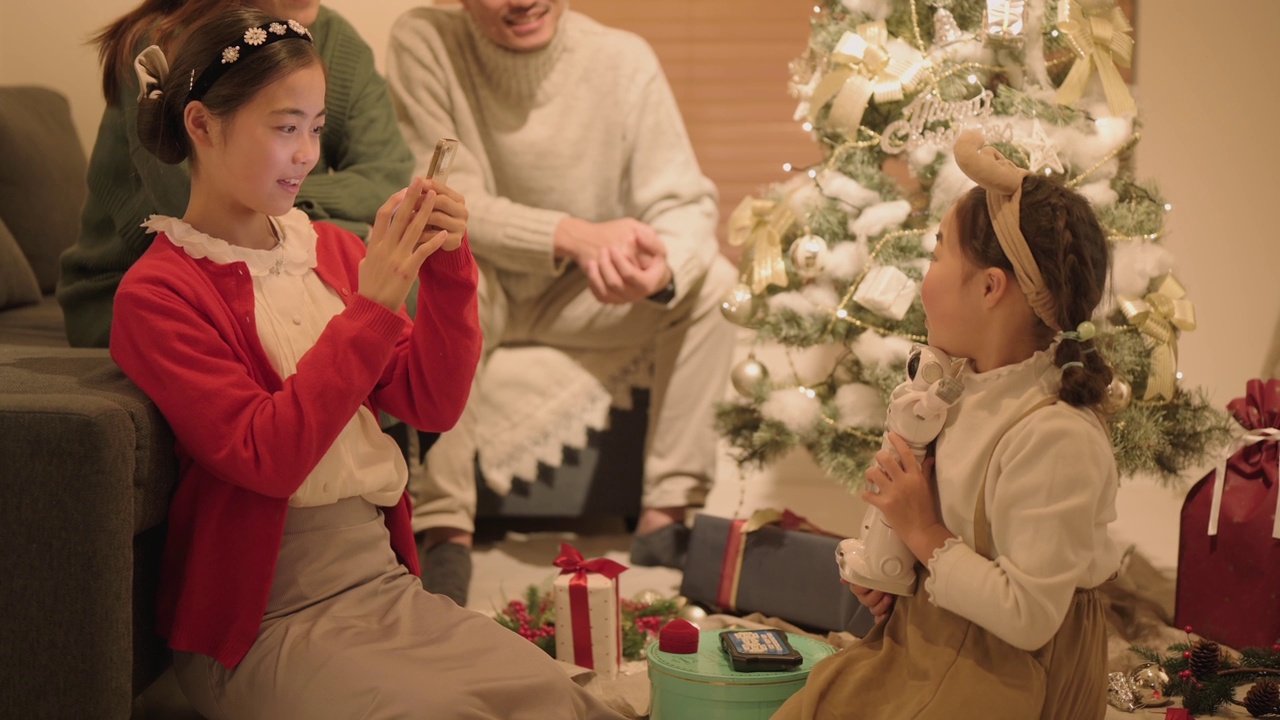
(1204, 82)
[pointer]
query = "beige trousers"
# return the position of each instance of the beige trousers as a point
(692, 345)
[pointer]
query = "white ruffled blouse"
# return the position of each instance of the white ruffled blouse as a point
(292, 306)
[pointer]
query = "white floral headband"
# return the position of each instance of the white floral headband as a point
(152, 67)
(1003, 182)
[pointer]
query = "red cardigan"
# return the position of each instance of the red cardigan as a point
(184, 331)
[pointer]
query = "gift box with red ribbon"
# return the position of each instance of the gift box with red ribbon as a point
(776, 563)
(588, 616)
(1228, 586)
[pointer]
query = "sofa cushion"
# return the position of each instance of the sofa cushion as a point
(18, 285)
(42, 176)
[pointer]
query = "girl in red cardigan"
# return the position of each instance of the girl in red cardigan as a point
(269, 343)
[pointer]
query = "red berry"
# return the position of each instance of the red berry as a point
(1188, 629)
(1186, 654)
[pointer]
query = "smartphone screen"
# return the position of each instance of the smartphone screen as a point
(442, 159)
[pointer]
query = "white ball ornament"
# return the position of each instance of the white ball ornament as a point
(749, 377)
(740, 306)
(809, 256)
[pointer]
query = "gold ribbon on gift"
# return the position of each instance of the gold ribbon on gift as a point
(1159, 316)
(865, 68)
(759, 225)
(1097, 32)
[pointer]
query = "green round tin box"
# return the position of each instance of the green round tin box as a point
(704, 685)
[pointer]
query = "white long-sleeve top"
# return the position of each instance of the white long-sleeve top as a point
(1050, 494)
(587, 126)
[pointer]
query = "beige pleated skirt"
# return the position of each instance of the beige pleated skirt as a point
(350, 633)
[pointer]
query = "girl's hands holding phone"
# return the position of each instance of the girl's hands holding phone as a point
(398, 245)
(449, 214)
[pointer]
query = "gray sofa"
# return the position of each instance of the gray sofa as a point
(86, 461)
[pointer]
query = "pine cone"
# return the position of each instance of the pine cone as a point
(1205, 659)
(1263, 698)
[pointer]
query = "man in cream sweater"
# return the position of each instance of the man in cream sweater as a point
(594, 229)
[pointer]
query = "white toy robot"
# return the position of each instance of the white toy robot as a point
(878, 559)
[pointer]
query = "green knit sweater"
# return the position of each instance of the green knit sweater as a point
(363, 160)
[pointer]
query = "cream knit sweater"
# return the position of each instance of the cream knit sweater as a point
(586, 127)
(1050, 494)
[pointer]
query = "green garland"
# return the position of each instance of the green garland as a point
(1216, 685)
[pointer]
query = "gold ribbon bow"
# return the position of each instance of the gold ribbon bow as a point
(1159, 316)
(866, 68)
(759, 225)
(1097, 31)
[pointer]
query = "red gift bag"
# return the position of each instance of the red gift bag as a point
(1229, 551)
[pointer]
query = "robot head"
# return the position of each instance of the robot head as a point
(927, 365)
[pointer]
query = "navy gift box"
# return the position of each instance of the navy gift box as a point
(757, 565)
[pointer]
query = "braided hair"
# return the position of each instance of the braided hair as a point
(1074, 258)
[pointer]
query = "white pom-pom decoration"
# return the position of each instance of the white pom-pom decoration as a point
(881, 351)
(793, 408)
(796, 302)
(877, 9)
(839, 186)
(878, 218)
(1099, 194)
(1135, 263)
(846, 260)
(815, 364)
(949, 185)
(859, 406)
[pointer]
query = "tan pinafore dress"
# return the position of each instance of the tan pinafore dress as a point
(928, 663)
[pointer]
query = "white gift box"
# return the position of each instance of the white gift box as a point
(592, 606)
(887, 292)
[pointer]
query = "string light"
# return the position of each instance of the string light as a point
(1168, 207)
(817, 9)
(807, 126)
(813, 173)
(973, 79)
(1053, 33)
(786, 167)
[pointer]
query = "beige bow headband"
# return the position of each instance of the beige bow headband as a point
(1003, 182)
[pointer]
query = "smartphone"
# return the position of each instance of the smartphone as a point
(442, 159)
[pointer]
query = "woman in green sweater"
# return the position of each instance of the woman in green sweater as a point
(363, 157)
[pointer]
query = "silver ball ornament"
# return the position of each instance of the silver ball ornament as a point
(1119, 395)
(693, 613)
(740, 306)
(1148, 681)
(748, 377)
(809, 256)
(647, 597)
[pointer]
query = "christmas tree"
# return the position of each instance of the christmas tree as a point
(832, 259)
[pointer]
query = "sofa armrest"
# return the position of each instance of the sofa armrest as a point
(88, 468)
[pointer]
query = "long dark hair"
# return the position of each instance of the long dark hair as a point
(160, 120)
(1071, 250)
(160, 22)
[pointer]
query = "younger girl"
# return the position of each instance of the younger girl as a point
(1014, 537)
(268, 342)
